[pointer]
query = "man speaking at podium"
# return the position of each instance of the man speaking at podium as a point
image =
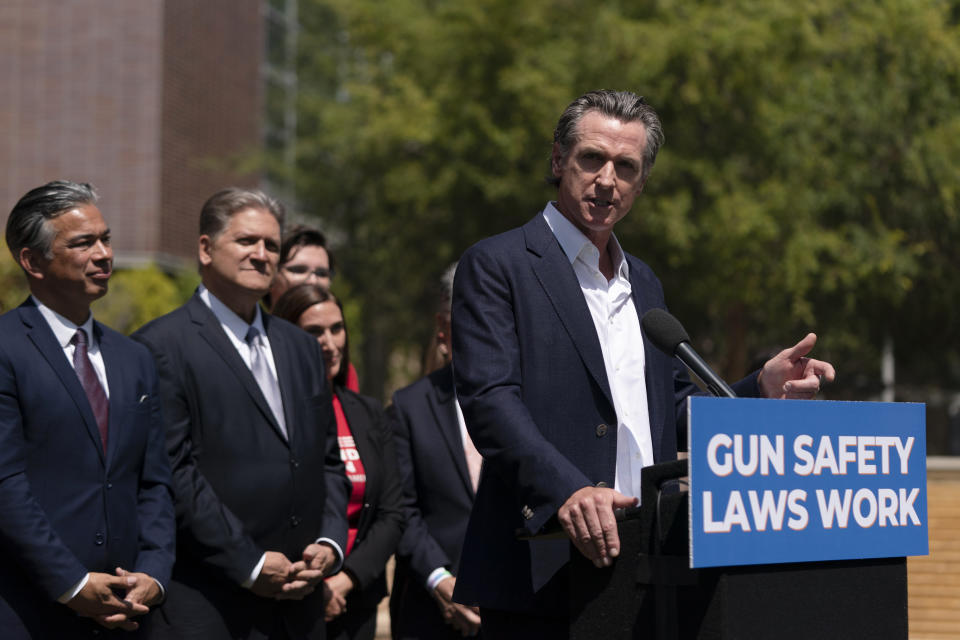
(563, 395)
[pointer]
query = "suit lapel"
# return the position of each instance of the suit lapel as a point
(645, 297)
(210, 330)
(44, 340)
(283, 360)
(359, 425)
(118, 380)
(441, 403)
(556, 276)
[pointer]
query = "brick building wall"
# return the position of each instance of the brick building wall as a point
(153, 101)
(81, 87)
(212, 106)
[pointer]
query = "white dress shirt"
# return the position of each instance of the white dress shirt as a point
(236, 329)
(621, 342)
(64, 330)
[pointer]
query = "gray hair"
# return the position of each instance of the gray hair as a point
(446, 288)
(27, 224)
(221, 206)
(625, 106)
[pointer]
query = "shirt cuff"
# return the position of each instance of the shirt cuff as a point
(437, 576)
(337, 550)
(163, 592)
(71, 593)
(255, 573)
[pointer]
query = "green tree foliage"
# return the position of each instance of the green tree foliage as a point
(809, 179)
(137, 296)
(13, 284)
(811, 175)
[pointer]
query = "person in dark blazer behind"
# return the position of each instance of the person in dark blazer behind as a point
(562, 392)
(439, 487)
(373, 512)
(259, 486)
(86, 512)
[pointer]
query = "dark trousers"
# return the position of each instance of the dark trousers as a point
(507, 625)
(355, 624)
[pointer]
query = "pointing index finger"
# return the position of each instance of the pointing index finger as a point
(823, 369)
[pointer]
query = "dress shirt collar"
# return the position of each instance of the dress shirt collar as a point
(63, 328)
(576, 245)
(230, 320)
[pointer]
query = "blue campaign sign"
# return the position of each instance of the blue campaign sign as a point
(776, 481)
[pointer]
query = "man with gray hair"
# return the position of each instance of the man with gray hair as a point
(562, 392)
(260, 489)
(86, 513)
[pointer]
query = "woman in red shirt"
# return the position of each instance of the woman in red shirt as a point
(366, 447)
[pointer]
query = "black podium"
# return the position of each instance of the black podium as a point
(650, 592)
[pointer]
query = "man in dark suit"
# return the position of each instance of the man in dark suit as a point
(439, 486)
(260, 490)
(563, 395)
(86, 512)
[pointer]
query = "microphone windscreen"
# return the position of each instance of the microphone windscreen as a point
(664, 331)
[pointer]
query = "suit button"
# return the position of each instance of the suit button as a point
(601, 430)
(109, 485)
(294, 463)
(98, 539)
(526, 512)
(601, 485)
(294, 521)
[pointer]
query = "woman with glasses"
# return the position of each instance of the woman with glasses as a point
(305, 259)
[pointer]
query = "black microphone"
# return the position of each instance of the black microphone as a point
(668, 335)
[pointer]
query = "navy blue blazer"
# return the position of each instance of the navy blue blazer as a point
(533, 388)
(241, 488)
(66, 508)
(381, 518)
(438, 496)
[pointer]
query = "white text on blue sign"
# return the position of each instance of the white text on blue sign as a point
(761, 454)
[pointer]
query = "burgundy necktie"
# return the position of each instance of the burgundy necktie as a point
(91, 384)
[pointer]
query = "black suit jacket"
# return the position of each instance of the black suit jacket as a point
(534, 391)
(438, 496)
(66, 508)
(381, 519)
(241, 488)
